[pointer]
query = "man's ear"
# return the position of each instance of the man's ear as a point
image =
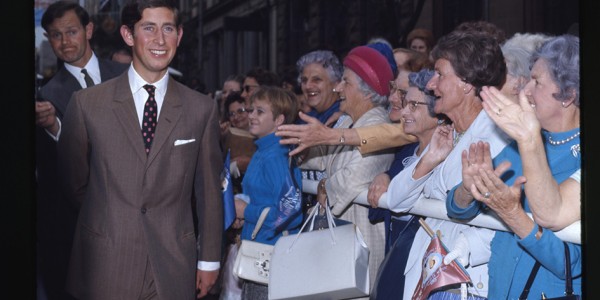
(179, 34)
(89, 30)
(126, 35)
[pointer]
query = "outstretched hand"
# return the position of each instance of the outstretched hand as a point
(306, 135)
(518, 120)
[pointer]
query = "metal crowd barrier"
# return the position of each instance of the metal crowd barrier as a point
(437, 209)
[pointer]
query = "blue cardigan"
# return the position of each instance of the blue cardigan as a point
(266, 179)
(513, 258)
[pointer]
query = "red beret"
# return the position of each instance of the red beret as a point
(372, 67)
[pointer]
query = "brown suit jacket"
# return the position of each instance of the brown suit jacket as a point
(136, 208)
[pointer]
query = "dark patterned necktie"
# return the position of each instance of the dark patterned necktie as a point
(149, 119)
(88, 80)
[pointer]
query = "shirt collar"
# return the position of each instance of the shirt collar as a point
(136, 82)
(91, 67)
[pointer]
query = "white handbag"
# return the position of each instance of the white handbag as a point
(330, 263)
(253, 259)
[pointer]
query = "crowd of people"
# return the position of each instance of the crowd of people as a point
(129, 161)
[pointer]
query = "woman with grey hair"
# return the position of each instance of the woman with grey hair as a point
(319, 72)
(517, 53)
(364, 90)
(552, 95)
(416, 108)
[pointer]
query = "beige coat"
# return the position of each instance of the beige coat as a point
(348, 174)
(384, 136)
(137, 208)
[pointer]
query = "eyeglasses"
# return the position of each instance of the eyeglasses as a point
(248, 88)
(395, 89)
(412, 104)
(239, 111)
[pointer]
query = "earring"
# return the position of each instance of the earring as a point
(563, 104)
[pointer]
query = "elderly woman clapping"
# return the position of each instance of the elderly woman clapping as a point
(553, 97)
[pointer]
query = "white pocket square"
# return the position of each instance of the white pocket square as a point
(183, 142)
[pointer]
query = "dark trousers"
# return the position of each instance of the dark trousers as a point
(389, 283)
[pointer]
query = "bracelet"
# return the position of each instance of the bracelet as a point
(342, 139)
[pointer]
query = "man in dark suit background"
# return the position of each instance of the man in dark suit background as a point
(69, 30)
(135, 177)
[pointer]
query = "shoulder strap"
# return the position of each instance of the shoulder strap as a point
(568, 279)
(261, 220)
(534, 271)
(291, 164)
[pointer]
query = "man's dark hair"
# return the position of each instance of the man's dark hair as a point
(132, 11)
(58, 9)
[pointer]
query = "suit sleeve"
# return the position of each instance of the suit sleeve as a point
(382, 136)
(207, 191)
(72, 152)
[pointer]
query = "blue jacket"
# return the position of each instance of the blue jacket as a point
(513, 258)
(266, 180)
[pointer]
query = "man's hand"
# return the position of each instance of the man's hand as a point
(45, 116)
(205, 280)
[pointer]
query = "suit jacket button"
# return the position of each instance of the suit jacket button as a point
(143, 210)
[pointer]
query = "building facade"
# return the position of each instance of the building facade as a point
(225, 37)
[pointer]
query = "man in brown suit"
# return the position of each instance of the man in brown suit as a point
(135, 178)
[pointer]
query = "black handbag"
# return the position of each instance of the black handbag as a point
(568, 281)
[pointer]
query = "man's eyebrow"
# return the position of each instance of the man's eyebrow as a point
(68, 28)
(146, 23)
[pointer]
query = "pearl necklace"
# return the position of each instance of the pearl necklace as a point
(561, 142)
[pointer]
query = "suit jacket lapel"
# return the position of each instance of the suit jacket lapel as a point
(124, 108)
(69, 84)
(170, 113)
